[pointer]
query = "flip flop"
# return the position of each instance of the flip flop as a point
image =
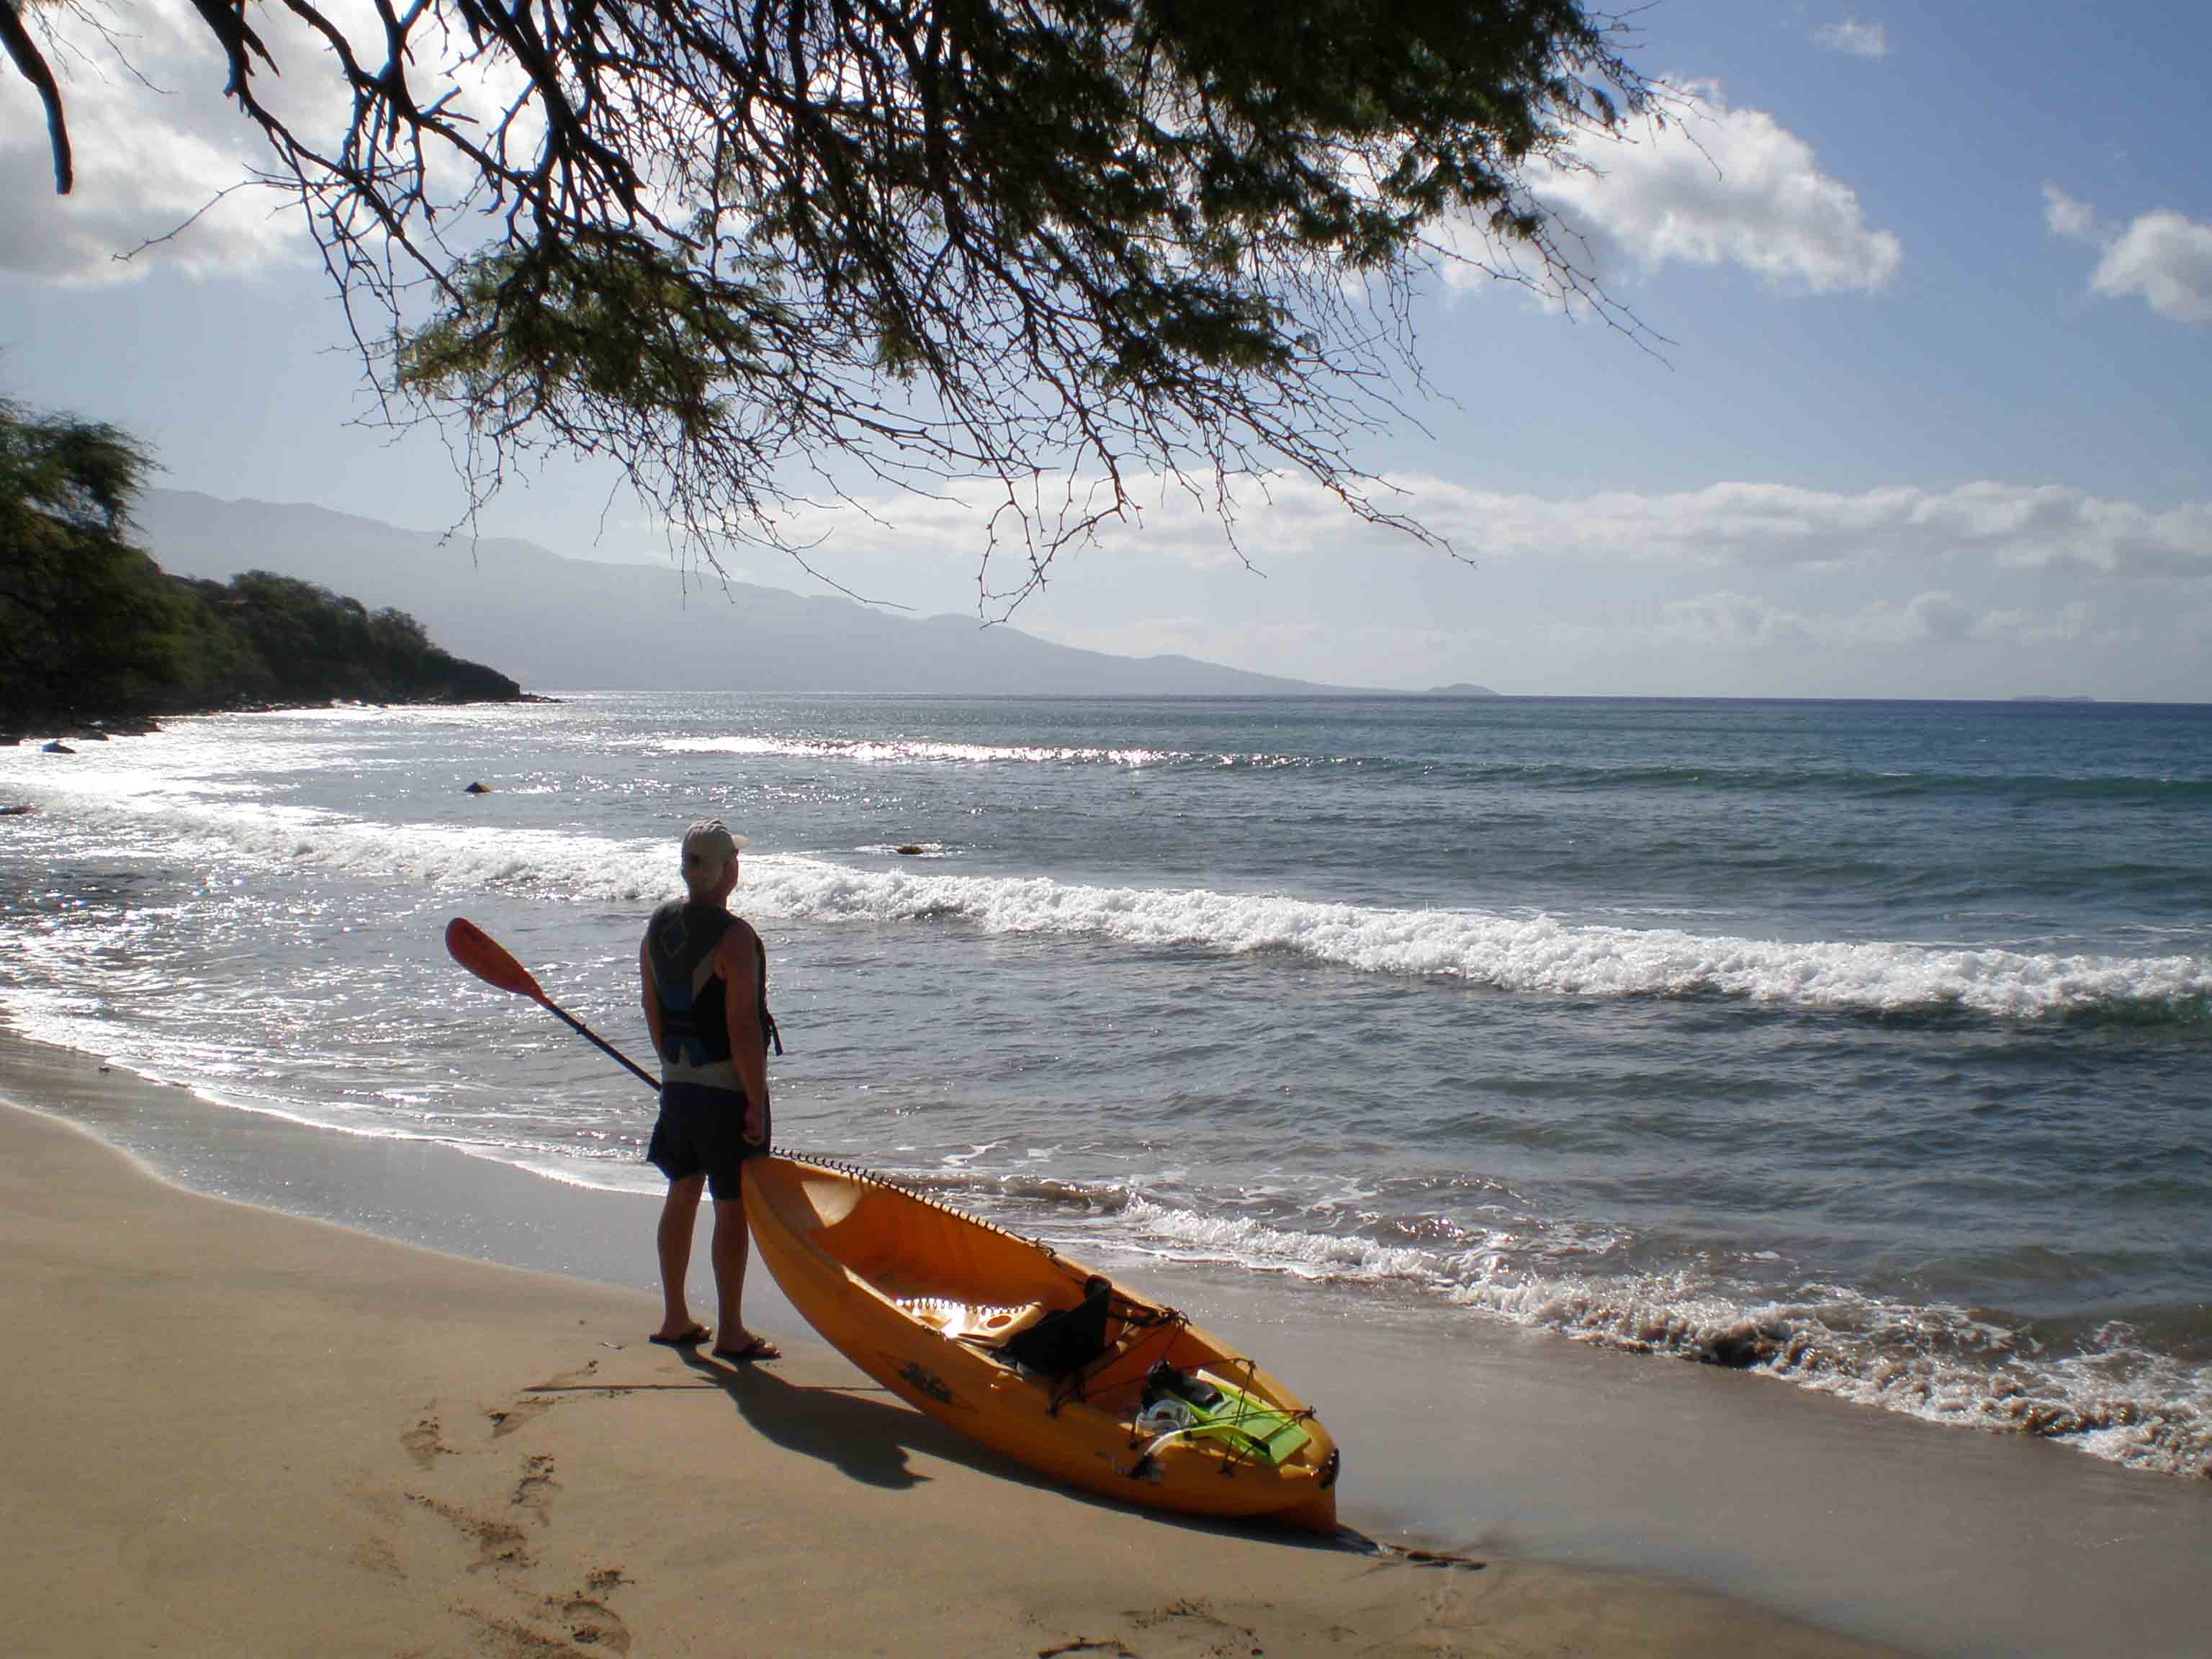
(759, 1348)
(690, 1339)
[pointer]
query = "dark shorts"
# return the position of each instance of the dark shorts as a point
(703, 1128)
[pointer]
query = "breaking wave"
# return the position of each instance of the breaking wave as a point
(1537, 954)
(2106, 1392)
(1528, 954)
(885, 750)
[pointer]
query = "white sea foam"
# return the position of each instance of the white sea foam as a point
(885, 749)
(1534, 954)
(105, 814)
(2113, 1399)
(908, 750)
(1243, 1241)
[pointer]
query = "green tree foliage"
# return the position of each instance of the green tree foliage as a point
(91, 630)
(297, 642)
(756, 250)
(87, 623)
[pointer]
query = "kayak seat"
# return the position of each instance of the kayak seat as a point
(980, 1325)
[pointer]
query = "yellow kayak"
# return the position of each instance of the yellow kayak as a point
(1033, 1355)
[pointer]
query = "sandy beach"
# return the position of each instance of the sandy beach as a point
(234, 1430)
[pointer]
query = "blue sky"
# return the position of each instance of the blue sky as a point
(1936, 282)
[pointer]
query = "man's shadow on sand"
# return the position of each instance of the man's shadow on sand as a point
(866, 1432)
(868, 1438)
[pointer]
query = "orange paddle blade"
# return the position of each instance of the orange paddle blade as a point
(483, 956)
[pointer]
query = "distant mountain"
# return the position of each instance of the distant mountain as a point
(557, 623)
(1462, 688)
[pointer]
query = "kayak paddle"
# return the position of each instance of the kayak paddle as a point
(485, 957)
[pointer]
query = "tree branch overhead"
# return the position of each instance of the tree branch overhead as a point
(735, 244)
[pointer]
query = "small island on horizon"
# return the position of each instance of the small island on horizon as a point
(1462, 688)
(2045, 696)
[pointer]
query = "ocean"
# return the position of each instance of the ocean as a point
(1860, 1046)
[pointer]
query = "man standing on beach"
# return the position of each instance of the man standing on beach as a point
(703, 977)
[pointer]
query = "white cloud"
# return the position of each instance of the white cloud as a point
(2068, 625)
(2064, 216)
(1853, 38)
(1720, 185)
(1926, 618)
(1781, 526)
(148, 157)
(1740, 525)
(1733, 622)
(1932, 642)
(154, 140)
(2161, 256)
(2166, 259)
(1729, 619)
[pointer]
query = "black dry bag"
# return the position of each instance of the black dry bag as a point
(1065, 1342)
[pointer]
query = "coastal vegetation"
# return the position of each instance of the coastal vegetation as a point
(760, 252)
(95, 635)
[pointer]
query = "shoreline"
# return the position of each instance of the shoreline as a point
(249, 1432)
(1554, 1462)
(106, 728)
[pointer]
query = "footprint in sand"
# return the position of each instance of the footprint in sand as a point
(540, 1398)
(423, 1442)
(591, 1624)
(500, 1545)
(534, 1491)
(1190, 1620)
(379, 1555)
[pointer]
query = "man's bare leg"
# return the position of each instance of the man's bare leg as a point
(731, 1250)
(677, 1216)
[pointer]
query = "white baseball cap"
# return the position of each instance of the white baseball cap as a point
(709, 845)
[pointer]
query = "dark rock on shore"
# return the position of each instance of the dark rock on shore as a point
(99, 731)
